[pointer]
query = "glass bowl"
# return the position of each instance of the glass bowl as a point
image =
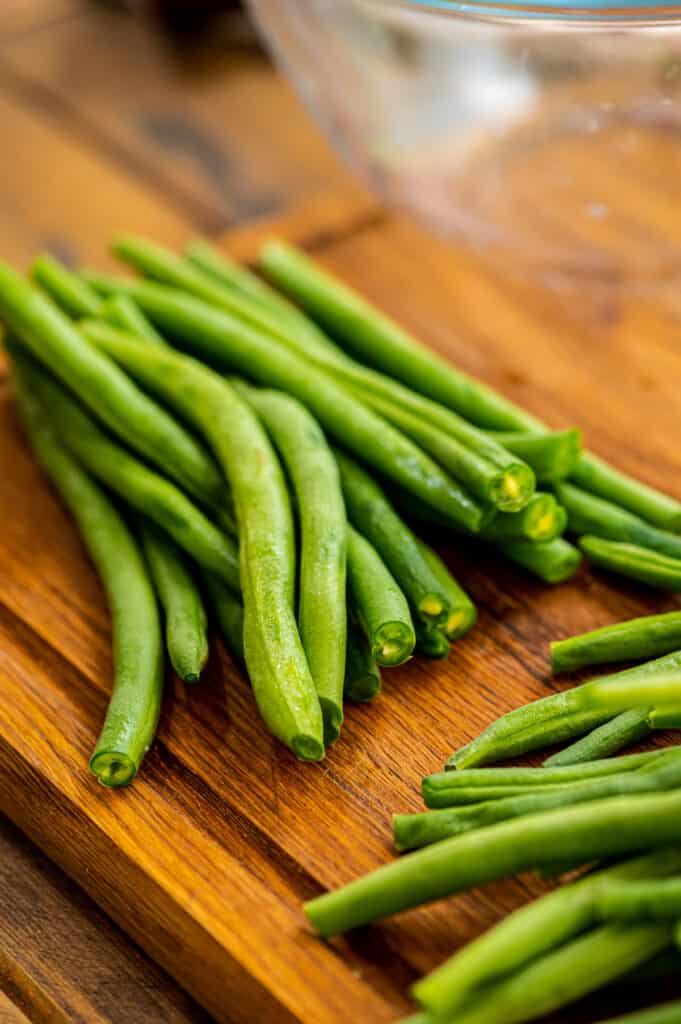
(546, 135)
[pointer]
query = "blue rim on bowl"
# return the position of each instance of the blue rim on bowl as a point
(634, 12)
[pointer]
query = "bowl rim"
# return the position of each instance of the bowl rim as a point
(605, 14)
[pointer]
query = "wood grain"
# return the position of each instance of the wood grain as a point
(10, 1012)
(20, 17)
(63, 960)
(215, 129)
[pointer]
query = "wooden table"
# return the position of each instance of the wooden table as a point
(112, 128)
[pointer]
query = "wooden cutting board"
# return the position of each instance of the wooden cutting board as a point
(206, 859)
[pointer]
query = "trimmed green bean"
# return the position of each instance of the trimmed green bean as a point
(627, 728)
(588, 514)
(668, 717)
(531, 932)
(137, 484)
(553, 456)
(135, 703)
(640, 901)
(374, 517)
(462, 612)
(380, 605)
(362, 674)
(554, 562)
(668, 1013)
(655, 683)
(541, 521)
(637, 563)
(313, 472)
(414, 830)
(228, 612)
(590, 831)
(70, 293)
(185, 616)
(121, 311)
(646, 637)
(377, 340)
(278, 669)
(217, 336)
(106, 390)
(534, 737)
(431, 642)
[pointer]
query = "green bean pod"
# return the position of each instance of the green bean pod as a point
(139, 486)
(313, 472)
(553, 456)
(380, 605)
(219, 337)
(362, 674)
(635, 562)
(668, 1013)
(639, 901)
(228, 612)
(541, 521)
(135, 703)
(646, 637)
(185, 616)
(597, 477)
(105, 389)
(70, 293)
(462, 614)
(554, 562)
(431, 642)
(529, 933)
(121, 311)
(623, 730)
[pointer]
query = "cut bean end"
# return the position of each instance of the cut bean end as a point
(333, 720)
(514, 489)
(113, 769)
(393, 644)
(307, 748)
(432, 607)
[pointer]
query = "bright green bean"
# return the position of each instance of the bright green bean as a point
(635, 562)
(217, 336)
(552, 456)
(531, 932)
(362, 674)
(669, 1013)
(134, 707)
(640, 901)
(414, 830)
(590, 831)
(667, 717)
(105, 389)
(374, 517)
(621, 731)
(185, 616)
(377, 340)
(313, 472)
(646, 637)
(121, 311)
(74, 296)
(462, 612)
(380, 605)
(431, 642)
(554, 562)
(228, 612)
(541, 521)
(139, 486)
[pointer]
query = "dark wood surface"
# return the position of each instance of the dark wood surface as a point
(205, 861)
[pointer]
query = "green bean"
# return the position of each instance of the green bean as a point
(657, 682)
(431, 642)
(313, 472)
(136, 484)
(414, 830)
(640, 901)
(135, 703)
(554, 562)
(646, 637)
(588, 514)
(121, 311)
(185, 617)
(534, 737)
(552, 456)
(280, 676)
(635, 562)
(668, 717)
(541, 521)
(377, 340)
(462, 612)
(374, 517)
(362, 674)
(568, 974)
(217, 336)
(531, 932)
(604, 828)
(627, 728)
(380, 605)
(74, 296)
(669, 1013)
(232, 275)
(442, 797)
(228, 612)
(105, 389)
